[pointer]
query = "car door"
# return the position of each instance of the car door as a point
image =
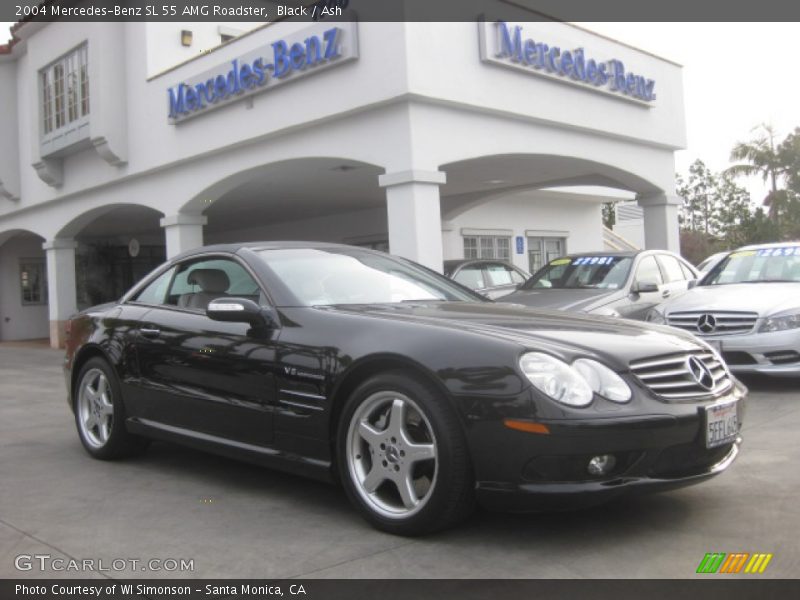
(471, 275)
(206, 376)
(676, 282)
(637, 304)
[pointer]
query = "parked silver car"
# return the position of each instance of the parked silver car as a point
(489, 277)
(710, 262)
(618, 284)
(747, 307)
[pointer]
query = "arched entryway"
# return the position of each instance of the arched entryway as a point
(23, 287)
(316, 199)
(115, 246)
(530, 208)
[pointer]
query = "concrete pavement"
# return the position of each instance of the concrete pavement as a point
(236, 520)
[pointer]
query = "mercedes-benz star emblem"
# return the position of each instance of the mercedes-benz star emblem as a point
(706, 324)
(701, 373)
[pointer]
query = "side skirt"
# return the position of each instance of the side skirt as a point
(258, 455)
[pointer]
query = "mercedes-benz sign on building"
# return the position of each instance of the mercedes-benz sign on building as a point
(125, 143)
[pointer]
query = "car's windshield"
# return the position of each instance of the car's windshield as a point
(328, 276)
(582, 272)
(757, 266)
(707, 263)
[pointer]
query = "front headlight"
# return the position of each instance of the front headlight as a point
(603, 380)
(654, 316)
(781, 323)
(556, 379)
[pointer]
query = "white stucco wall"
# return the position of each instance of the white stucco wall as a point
(9, 135)
(576, 217)
(632, 230)
(164, 48)
(457, 106)
(454, 73)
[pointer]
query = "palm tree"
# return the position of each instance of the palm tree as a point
(761, 158)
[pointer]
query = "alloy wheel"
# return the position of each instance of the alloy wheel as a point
(95, 408)
(392, 454)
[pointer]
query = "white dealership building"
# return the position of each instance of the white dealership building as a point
(124, 143)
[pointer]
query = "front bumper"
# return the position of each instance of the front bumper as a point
(653, 452)
(775, 353)
(526, 497)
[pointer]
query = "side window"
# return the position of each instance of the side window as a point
(471, 276)
(687, 272)
(198, 283)
(648, 271)
(516, 278)
(672, 268)
(499, 274)
(33, 281)
(156, 291)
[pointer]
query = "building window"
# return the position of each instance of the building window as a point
(226, 33)
(65, 90)
(541, 250)
(33, 281)
(487, 246)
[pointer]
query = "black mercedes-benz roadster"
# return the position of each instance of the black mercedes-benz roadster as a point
(415, 393)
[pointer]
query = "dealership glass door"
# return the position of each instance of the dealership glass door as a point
(541, 250)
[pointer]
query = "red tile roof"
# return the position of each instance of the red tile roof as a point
(9, 45)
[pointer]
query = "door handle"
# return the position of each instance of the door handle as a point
(665, 294)
(150, 333)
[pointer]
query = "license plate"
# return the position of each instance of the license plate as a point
(722, 424)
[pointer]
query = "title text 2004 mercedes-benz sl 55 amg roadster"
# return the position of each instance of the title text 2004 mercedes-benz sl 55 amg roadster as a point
(420, 396)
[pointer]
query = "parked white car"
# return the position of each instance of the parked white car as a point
(747, 307)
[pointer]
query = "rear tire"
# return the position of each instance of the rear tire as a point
(402, 456)
(100, 414)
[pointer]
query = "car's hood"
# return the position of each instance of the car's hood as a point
(763, 298)
(569, 334)
(575, 300)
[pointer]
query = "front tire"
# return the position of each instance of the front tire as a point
(403, 457)
(100, 414)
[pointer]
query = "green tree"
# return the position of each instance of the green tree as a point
(789, 156)
(716, 213)
(758, 228)
(700, 210)
(761, 157)
(609, 215)
(734, 211)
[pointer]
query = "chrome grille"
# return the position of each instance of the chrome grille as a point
(701, 322)
(688, 375)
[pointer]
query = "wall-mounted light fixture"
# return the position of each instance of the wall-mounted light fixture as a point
(186, 37)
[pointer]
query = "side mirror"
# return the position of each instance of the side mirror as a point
(644, 287)
(240, 310)
(692, 283)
